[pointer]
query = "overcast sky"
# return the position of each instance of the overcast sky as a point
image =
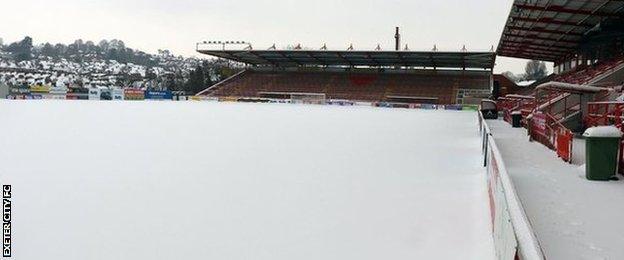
(177, 25)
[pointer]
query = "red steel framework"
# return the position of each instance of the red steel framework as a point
(543, 127)
(550, 132)
(556, 102)
(513, 103)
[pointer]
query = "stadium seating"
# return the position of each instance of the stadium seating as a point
(586, 74)
(414, 87)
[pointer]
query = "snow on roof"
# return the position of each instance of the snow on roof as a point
(603, 131)
(525, 83)
(571, 87)
(519, 96)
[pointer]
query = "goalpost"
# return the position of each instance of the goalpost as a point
(308, 98)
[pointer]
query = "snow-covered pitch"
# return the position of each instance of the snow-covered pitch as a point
(194, 180)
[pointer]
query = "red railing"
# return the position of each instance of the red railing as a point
(552, 108)
(505, 105)
(511, 103)
(549, 131)
(559, 103)
(604, 114)
(568, 104)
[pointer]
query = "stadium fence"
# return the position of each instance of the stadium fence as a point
(511, 230)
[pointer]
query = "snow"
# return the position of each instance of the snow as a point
(572, 217)
(571, 87)
(92, 69)
(204, 180)
(519, 96)
(604, 132)
(578, 151)
(525, 83)
(488, 104)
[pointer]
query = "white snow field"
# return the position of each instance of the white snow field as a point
(194, 180)
(573, 218)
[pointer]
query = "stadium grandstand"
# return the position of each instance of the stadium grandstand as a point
(584, 39)
(398, 76)
(553, 214)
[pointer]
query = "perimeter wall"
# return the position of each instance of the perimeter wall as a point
(512, 232)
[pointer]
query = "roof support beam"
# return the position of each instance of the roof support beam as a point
(537, 37)
(228, 56)
(544, 30)
(530, 43)
(544, 49)
(541, 52)
(562, 9)
(529, 56)
(533, 52)
(345, 59)
(289, 58)
(591, 13)
(463, 61)
(263, 59)
(433, 61)
(511, 51)
(536, 53)
(548, 20)
(373, 59)
(401, 59)
(316, 59)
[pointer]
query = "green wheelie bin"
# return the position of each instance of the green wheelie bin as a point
(516, 119)
(602, 150)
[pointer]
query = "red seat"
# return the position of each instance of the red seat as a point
(354, 86)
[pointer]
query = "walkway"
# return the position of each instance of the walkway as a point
(573, 218)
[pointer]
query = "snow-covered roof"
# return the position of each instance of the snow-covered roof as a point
(516, 96)
(571, 87)
(525, 83)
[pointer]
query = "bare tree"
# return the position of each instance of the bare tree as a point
(535, 70)
(511, 76)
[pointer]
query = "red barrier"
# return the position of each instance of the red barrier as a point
(604, 113)
(549, 132)
(512, 103)
(564, 145)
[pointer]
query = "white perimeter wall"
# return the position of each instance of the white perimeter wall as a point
(513, 234)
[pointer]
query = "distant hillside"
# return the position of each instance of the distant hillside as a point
(107, 63)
